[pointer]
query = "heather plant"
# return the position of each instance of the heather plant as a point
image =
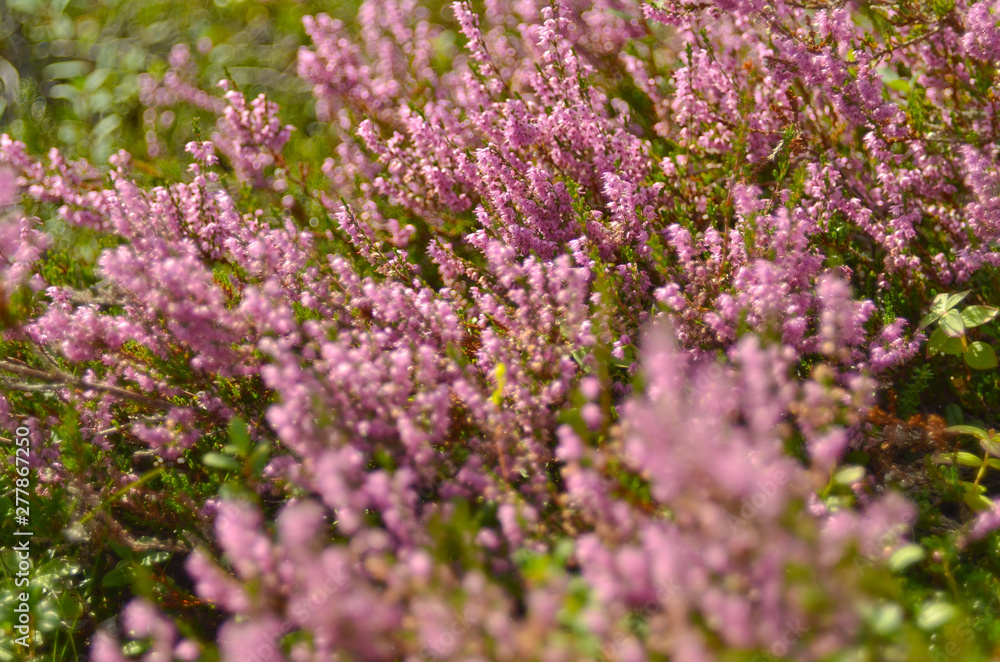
(544, 330)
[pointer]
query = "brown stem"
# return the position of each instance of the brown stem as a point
(65, 379)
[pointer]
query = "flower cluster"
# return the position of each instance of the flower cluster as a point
(479, 458)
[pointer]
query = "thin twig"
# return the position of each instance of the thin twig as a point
(65, 379)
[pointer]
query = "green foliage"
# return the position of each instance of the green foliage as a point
(973, 496)
(240, 456)
(949, 337)
(70, 71)
(916, 385)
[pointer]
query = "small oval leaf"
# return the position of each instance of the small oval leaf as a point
(963, 458)
(120, 575)
(977, 502)
(885, 618)
(954, 347)
(990, 446)
(906, 556)
(220, 461)
(849, 475)
(978, 433)
(976, 315)
(259, 457)
(936, 342)
(972, 488)
(953, 414)
(980, 356)
(940, 303)
(935, 614)
(239, 435)
(134, 648)
(942, 343)
(955, 299)
(929, 319)
(952, 324)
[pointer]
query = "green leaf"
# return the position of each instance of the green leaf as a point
(972, 488)
(563, 550)
(67, 69)
(906, 556)
(885, 618)
(47, 618)
(952, 324)
(929, 319)
(899, 85)
(239, 435)
(942, 7)
(120, 575)
(259, 457)
(977, 502)
(121, 550)
(964, 459)
(935, 614)
(893, 81)
(220, 461)
(953, 414)
(154, 558)
(939, 303)
(978, 433)
(849, 475)
(944, 302)
(990, 446)
(940, 342)
(500, 372)
(976, 315)
(980, 356)
(953, 347)
(95, 79)
(969, 460)
(134, 648)
(955, 299)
